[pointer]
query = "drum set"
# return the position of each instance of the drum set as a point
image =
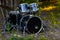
(24, 19)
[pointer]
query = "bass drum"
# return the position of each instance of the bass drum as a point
(32, 24)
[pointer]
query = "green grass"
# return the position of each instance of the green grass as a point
(27, 38)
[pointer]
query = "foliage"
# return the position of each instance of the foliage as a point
(8, 26)
(27, 1)
(42, 38)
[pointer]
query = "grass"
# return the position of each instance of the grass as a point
(27, 38)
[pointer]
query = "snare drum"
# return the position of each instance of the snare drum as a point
(33, 7)
(23, 8)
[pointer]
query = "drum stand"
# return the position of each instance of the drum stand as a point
(17, 22)
(36, 36)
(24, 34)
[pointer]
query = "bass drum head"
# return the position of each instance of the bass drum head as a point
(34, 25)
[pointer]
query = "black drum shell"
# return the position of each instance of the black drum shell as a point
(26, 23)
